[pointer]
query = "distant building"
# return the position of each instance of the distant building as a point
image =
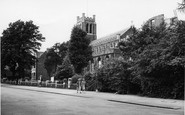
(105, 47)
(41, 71)
(157, 20)
(38, 69)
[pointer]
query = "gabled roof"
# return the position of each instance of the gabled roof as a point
(109, 38)
(39, 54)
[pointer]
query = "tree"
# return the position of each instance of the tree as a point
(181, 6)
(51, 61)
(55, 57)
(66, 70)
(159, 59)
(79, 50)
(115, 76)
(20, 41)
(63, 49)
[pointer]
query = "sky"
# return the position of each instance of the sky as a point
(56, 18)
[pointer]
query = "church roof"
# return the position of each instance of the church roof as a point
(39, 54)
(109, 38)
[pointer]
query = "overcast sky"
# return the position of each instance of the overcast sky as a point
(56, 18)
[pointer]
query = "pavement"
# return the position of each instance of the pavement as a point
(128, 99)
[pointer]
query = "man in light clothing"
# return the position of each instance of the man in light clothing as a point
(83, 84)
(79, 85)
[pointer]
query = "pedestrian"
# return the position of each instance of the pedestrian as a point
(83, 85)
(40, 84)
(79, 85)
(69, 83)
(64, 84)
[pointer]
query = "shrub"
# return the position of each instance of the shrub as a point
(115, 76)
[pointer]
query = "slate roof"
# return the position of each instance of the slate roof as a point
(108, 38)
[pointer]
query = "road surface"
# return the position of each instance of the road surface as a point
(15, 101)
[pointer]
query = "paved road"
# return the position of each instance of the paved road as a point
(15, 101)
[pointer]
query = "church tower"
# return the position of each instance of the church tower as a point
(88, 25)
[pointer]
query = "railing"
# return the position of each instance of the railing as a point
(41, 84)
(92, 85)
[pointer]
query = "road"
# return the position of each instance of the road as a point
(16, 101)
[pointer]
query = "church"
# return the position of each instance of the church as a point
(105, 47)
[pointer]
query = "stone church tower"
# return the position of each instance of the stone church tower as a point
(105, 47)
(88, 25)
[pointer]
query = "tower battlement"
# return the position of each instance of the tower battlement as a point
(85, 19)
(87, 24)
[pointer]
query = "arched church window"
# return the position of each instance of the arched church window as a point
(99, 59)
(99, 62)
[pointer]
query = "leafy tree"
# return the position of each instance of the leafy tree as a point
(79, 50)
(115, 76)
(60, 50)
(20, 41)
(55, 57)
(158, 57)
(66, 70)
(51, 61)
(63, 49)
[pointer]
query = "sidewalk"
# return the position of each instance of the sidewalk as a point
(129, 99)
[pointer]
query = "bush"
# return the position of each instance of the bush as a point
(90, 81)
(163, 87)
(115, 76)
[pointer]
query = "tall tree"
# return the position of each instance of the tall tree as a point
(55, 57)
(20, 41)
(51, 61)
(159, 59)
(79, 50)
(66, 70)
(63, 49)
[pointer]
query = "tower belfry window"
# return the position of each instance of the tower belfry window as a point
(87, 25)
(90, 28)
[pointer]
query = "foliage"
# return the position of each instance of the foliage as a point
(51, 61)
(79, 50)
(20, 41)
(66, 70)
(91, 81)
(61, 50)
(115, 76)
(181, 6)
(159, 59)
(55, 57)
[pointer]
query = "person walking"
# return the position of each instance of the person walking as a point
(69, 83)
(83, 84)
(40, 81)
(79, 85)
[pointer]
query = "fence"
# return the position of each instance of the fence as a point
(42, 84)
